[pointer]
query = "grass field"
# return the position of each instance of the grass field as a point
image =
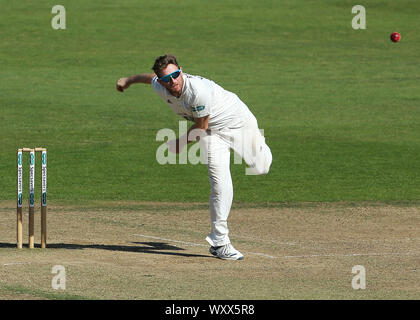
(339, 108)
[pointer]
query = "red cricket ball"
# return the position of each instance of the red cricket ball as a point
(395, 37)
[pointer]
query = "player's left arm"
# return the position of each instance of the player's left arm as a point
(200, 108)
(198, 129)
(194, 133)
(200, 123)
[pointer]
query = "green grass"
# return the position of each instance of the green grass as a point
(339, 107)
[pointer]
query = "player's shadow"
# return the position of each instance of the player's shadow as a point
(146, 247)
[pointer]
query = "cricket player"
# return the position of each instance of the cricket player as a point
(224, 122)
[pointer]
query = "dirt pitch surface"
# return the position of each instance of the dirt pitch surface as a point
(134, 250)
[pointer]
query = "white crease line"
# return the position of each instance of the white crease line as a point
(198, 245)
(15, 263)
(286, 257)
(261, 254)
(350, 255)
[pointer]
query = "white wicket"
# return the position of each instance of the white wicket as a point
(32, 196)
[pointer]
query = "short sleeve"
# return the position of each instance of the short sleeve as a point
(200, 111)
(201, 105)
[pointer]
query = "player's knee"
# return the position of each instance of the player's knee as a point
(263, 163)
(266, 169)
(263, 170)
(268, 159)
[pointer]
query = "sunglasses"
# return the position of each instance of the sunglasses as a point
(174, 75)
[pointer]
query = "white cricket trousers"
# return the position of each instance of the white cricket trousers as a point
(249, 143)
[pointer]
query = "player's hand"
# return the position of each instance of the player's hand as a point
(122, 84)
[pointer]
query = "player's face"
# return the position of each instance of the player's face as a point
(175, 84)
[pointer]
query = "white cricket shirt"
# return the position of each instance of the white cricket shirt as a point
(201, 97)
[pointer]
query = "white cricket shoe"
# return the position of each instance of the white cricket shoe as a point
(226, 252)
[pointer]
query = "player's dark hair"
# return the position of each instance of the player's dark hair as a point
(162, 62)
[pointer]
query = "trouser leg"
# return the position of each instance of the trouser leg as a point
(250, 144)
(221, 188)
